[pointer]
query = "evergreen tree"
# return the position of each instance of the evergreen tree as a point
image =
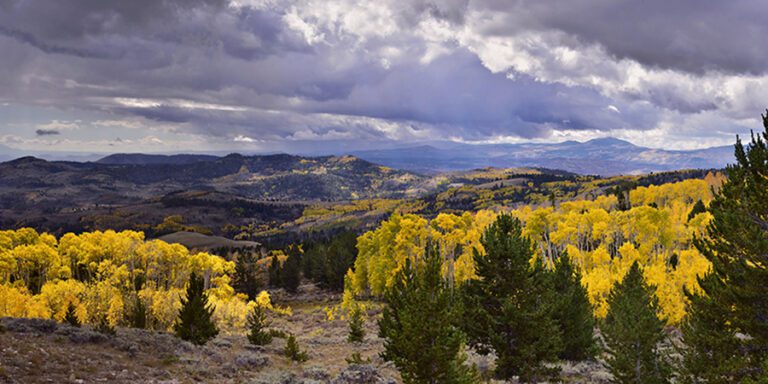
(326, 262)
(338, 259)
(356, 324)
(246, 278)
(417, 325)
(137, 317)
(195, 321)
(573, 312)
(274, 272)
(736, 243)
(71, 316)
(104, 326)
(293, 351)
(509, 307)
(290, 273)
(699, 207)
(711, 352)
(257, 323)
(633, 330)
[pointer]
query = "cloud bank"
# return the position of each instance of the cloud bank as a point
(268, 75)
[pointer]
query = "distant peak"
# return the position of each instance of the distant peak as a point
(609, 141)
(27, 160)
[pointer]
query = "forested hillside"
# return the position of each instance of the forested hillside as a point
(109, 278)
(655, 226)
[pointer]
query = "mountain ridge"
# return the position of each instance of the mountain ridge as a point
(602, 156)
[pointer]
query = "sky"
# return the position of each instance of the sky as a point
(259, 76)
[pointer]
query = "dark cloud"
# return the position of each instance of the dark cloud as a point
(47, 132)
(689, 35)
(346, 71)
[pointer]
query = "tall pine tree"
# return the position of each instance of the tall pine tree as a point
(195, 321)
(711, 352)
(290, 273)
(633, 331)
(274, 272)
(734, 298)
(573, 312)
(417, 325)
(509, 307)
(246, 278)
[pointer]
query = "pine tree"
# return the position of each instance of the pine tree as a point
(246, 278)
(137, 317)
(293, 351)
(71, 316)
(711, 352)
(339, 258)
(573, 312)
(104, 326)
(735, 298)
(509, 307)
(274, 272)
(633, 330)
(356, 324)
(290, 273)
(699, 207)
(195, 321)
(417, 325)
(257, 323)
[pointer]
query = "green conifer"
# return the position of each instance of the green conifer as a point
(257, 323)
(290, 273)
(71, 316)
(137, 316)
(633, 331)
(573, 312)
(418, 328)
(274, 272)
(711, 351)
(699, 207)
(356, 324)
(246, 278)
(509, 307)
(734, 299)
(195, 321)
(293, 351)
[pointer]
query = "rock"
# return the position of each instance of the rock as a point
(283, 378)
(29, 325)
(133, 350)
(82, 335)
(317, 373)
(361, 374)
(251, 360)
(222, 343)
(255, 348)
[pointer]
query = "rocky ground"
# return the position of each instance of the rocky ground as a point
(43, 351)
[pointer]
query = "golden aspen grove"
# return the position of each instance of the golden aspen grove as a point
(103, 274)
(603, 240)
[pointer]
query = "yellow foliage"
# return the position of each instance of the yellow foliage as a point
(99, 272)
(602, 241)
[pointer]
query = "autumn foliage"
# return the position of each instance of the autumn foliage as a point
(102, 275)
(657, 231)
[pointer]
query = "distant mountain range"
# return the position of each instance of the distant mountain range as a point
(605, 157)
(145, 159)
(139, 191)
(121, 190)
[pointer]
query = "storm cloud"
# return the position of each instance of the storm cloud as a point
(264, 75)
